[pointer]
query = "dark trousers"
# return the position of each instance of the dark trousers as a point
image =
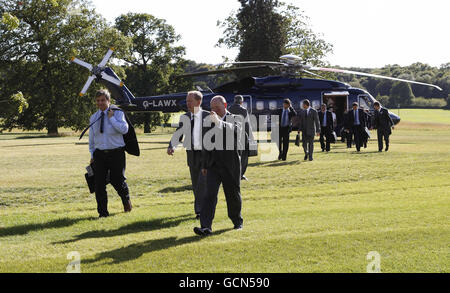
(198, 182)
(357, 136)
(325, 138)
(308, 144)
(283, 144)
(114, 162)
(381, 133)
(349, 136)
(232, 189)
(244, 161)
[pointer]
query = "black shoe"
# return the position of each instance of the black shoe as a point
(323, 150)
(380, 151)
(310, 159)
(103, 216)
(279, 157)
(197, 216)
(306, 156)
(202, 231)
(283, 159)
(387, 148)
(238, 227)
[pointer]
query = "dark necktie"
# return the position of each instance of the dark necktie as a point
(192, 131)
(102, 121)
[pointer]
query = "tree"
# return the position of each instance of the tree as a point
(38, 39)
(154, 62)
(266, 29)
(401, 94)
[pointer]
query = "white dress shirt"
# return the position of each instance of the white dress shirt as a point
(113, 130)
(197, 131)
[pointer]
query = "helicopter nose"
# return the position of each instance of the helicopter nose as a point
(395, 118)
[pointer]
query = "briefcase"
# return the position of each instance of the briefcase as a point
(90, 178)
(367, 132)
(333, 137)
(297, 140)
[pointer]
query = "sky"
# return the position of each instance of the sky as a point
(363, 33)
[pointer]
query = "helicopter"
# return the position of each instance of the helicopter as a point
(263, 96)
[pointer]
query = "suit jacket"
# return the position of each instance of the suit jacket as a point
(228, 159)
(192, 160)
(382, 120)
(329, 119)
(309, 122)
(130, 139)
(237, 109)
(351, 119)
(291, 114)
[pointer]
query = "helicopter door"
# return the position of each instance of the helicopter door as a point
(339, 102)
(248, 104)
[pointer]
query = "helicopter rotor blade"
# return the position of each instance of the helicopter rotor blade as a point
(87, 85)
(335, 70)
(252, 63)
(311, 73)
(226, 70)
(111, 79)
(106, 58)
(82, 63)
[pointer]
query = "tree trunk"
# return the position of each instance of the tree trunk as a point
(52, 127)
(147, 128)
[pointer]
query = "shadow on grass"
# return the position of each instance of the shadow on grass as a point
(36, 145)
(141, 226)
(135, 251)
(274, 163)
(176, 189)
(25, 229)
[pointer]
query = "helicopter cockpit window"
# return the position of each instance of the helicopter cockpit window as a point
(315, 104)
(365, 102)
(273, 105)
(260, 105)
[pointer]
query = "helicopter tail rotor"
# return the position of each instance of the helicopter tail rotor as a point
(98, 72)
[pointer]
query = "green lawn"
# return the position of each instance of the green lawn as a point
(320, 216)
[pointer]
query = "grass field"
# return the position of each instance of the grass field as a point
(320, 216)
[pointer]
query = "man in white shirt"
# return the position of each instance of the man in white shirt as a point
(191, 128)
(106, 145)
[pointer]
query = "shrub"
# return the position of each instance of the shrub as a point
(421, 102)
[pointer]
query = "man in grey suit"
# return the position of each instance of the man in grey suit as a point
(190, 127)
(242, 113)
(310, 126)
(221, 164)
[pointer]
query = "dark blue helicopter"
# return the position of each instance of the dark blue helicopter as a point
(262, 95)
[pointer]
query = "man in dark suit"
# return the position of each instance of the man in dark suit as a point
(285, 128)
(356, 123)
(310, 126)
(383, 123)
(326, 130)
(240, 111)
(221, 164)
(190, 127)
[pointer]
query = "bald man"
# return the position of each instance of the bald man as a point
(221, 164)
